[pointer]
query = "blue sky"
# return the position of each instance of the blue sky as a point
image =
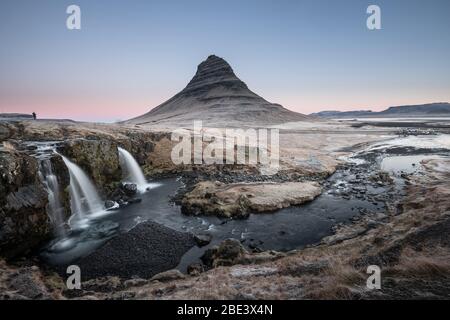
(132, 55)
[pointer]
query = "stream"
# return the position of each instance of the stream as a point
(348, 193)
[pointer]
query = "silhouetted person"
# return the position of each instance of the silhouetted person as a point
(34, 115)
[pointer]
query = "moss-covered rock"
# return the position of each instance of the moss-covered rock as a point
(98, 158)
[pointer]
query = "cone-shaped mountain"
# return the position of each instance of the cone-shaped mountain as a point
(217, 96)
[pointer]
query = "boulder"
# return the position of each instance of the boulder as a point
(135, 200)
(130, 189)
(202, 239)
(111, 205)
(125, 194)
(228, 253)
(232, 252)
(382, 178)
(195, 269)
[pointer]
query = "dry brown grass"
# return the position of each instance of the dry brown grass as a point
(340, 280)
(430, 262)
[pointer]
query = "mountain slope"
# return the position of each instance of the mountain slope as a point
(217, 96)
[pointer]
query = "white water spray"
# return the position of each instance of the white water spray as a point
(83, 195)
(134, 173)
(54, 209)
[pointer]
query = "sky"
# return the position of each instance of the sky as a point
(132, 55)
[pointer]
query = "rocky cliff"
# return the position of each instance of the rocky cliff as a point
(23, 218)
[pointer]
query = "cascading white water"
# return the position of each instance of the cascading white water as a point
(54, 209)
(83, 195)
(132, 169)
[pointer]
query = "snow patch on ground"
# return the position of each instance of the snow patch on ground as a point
(425, 142)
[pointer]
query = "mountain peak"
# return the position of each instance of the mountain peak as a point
(215, 60)
(217, 96)
(214, 71)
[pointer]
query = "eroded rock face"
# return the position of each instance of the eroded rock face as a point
(24, 223)
(98, 158)
(238, 200)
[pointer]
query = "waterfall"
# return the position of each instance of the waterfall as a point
(132, 169)
(83, 195)
(54, 208)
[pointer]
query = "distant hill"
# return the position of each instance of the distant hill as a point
(340, 114)
(217, 96)
(15, 116)
(439, 109)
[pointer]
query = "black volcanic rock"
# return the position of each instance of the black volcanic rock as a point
(146, 250)
(216, 95)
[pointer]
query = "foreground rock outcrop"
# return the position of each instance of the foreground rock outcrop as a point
(24, 222)
(238, 200)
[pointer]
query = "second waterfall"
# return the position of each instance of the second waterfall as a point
(132, 170)
(84, 197)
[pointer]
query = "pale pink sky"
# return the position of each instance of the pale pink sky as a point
(124, 107)
(308, 56)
